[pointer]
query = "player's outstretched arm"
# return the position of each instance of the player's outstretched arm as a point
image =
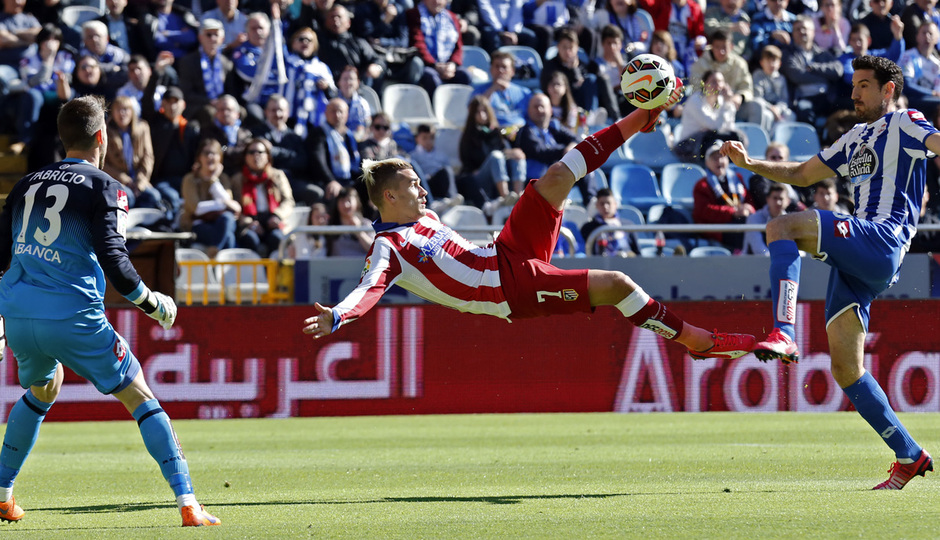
(788, 172)
(321, 324)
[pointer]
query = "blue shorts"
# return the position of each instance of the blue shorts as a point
(865, 258)
(85, 343)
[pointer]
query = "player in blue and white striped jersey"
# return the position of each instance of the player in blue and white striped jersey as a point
(61, 232)
(884, 158)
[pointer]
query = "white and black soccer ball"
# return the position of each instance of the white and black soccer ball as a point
(648, 81)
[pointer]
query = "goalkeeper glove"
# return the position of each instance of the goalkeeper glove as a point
(157, 306)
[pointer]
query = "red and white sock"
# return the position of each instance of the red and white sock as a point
(645, 312)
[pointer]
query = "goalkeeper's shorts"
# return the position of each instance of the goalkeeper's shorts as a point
(86, 343)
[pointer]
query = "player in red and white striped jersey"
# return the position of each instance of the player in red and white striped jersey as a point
(510, 278)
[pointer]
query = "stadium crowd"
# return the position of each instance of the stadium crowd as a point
(226, 116)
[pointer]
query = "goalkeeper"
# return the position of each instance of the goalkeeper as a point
(511, 278)
(61, 232)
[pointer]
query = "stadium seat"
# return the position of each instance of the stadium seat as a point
(77, 15)
(646, 25)
(650, 149)
(575, 231)
(631, 214)
(500, 215)
(371, 97)
(450, 104)
(197, 283)
(757, 138)
(678, 181)
(636, 185)
(140, 218)
(243, 282)
(467, 216)
(448, 141)
(298, 218)
(526, 55)
(801, 138)
(710, 251)
(619, 156)
(576, 214)
(477, 61)
(408, 103)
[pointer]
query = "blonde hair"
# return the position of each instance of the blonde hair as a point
(378, 175)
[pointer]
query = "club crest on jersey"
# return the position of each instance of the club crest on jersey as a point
(842, 229)
(863, 164)
(365, 269)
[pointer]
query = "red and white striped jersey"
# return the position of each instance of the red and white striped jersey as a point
(432, 261)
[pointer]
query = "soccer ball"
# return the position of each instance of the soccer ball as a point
(648, 81)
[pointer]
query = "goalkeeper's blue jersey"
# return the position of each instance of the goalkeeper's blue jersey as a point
(61, 232)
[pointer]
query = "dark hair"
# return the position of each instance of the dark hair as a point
(776, 186)
(564, 33)
(47, 32)
(567, 101)
(475, 104)
(885, 71)
(267, 148)
(611, 31)
(826, 183)
(718, 35)
(426, 128)
(78, 122)
(604, 192)
(138, 59)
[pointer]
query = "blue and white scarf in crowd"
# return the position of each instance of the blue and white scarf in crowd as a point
(212, 75)
(440, 33)
(735, 187)
(272, 60)
(340, 158)
(306, 101)
(231, 132)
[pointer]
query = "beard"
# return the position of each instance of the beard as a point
(870, 114)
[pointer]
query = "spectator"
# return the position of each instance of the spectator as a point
(259, 65)
(266, 199)
(662, 45)
(755, 242)
(18, 31)
(772, 26)
(684, 21)
(859, 41)
(770, 87)
(832, 28)
(359, 110)
(347, 210)
(622, 15)
(758, 187)
(564, 109)
(129, 157)
(307, 246)
(708, 114)
(720, 197)
(380, 145)
(613, 243)
(880, 22)
(589, 89)
(921, 67)
(233, 21)
(915, 15)
(210, 210)
(435, 32)
(501, 24)
(508, 99)
(139, 79)
(381, 22)
(174, 143)
(122, 27)
(86, 79)
(333, 153)
(730, 17)
(719, 57)
(826, 197)
(543, 18)
(170, 28)
(812, 72)
(288, 151)
(433, 166)
(204, 72)
(489, 162)
(610, 63)
(112, 59)
(339, 48)
(311, 83)
(42, 74)
(226, 127)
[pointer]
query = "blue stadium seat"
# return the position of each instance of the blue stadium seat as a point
(757, 138)
(526, 55)
(650, 149)
(678, 180)
(800, 137)
(636, 185)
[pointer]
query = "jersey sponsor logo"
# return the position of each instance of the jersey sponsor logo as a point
(119, 351)
(842, 229)
(568, 295)
(44, 253)
(915, 115)
(863, 164)
(659, 328)
(786, 302)
(434, 243)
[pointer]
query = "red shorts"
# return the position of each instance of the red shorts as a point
(532, 286)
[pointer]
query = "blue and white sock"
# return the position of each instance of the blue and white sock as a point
(871, 402)
(22, 431)
(785, 267)
(163, 446)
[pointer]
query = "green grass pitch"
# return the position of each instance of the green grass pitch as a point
(710, 475)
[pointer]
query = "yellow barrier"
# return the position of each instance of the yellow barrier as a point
(274, 286)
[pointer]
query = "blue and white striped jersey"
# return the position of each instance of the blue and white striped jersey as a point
(886, 163)
(62, 231)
